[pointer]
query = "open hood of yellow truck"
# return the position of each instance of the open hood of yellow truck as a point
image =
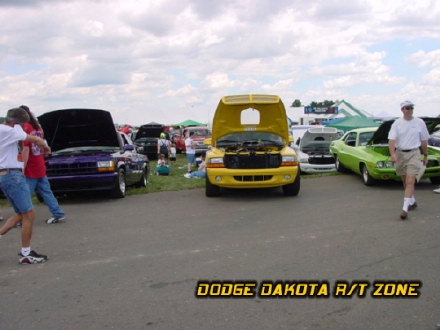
(227, 118)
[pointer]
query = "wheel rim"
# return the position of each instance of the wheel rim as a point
(122, 182)
(365, 173)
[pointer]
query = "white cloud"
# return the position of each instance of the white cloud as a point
(173, 59)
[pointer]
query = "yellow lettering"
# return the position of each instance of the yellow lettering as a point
(378, 289)
(202, 289)
(323, 290)
(341, 289)
(266, 289)
(278, 291)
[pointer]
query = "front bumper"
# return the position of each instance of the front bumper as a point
(390, 173)
(315, 168)
(102, 181)
(252, 178)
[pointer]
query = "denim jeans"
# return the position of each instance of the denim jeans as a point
(42, 186)
(13, 185)
(198, 174)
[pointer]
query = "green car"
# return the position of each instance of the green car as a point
(365, 151)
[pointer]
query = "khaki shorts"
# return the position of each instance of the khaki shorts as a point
(408, 162)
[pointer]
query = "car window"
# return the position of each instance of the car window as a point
(200, 132)
(350, 139)
(364, 138)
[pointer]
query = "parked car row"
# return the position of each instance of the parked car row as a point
(89, 154)
(147, 136)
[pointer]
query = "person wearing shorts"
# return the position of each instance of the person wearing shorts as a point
(406, 137)
(13, 182)
(190, 151)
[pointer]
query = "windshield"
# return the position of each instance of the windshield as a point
(81, 150)
(250, 139)
(144, 139)
(365, 137)
(200, 133)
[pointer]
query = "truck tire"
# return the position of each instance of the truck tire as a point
(292, 189)
(120, 187)
(211, 190)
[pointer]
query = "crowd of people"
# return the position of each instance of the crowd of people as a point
(166, 150)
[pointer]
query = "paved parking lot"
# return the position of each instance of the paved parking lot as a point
(135, 263)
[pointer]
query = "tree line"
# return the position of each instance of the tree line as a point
(323, 104)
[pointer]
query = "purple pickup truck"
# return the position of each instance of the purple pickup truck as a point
(89, 154)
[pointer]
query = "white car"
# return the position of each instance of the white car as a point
(297, 131)
(313, 149)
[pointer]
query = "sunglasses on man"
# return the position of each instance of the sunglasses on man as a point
(408, 108)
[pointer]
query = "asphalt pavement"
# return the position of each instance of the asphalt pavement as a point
(135, 263)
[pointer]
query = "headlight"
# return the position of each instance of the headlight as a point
(215, 162)
(304, 160)
(106, 165)
(381, 164)
(289, 161)
(389, 164)
(218, 160)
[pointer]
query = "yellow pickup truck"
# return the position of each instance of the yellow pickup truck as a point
(250, 146)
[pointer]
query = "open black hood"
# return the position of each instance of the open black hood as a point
(381, 135)
(78, 128)
(151, 130)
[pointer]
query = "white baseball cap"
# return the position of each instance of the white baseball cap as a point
(406, 103)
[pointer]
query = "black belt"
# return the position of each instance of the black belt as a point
(407, 150)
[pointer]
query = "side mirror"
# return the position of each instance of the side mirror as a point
(291, 139)
(208, 141)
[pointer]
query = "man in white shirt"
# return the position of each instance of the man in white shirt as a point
(13, 182)
(407, 135)
(190, 151)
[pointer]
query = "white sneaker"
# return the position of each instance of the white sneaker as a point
(437, 191)
(54, 220)
(187, 175)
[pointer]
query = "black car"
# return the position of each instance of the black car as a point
(89, 154)
(146, 139)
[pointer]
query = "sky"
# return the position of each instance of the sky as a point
(172, 60)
